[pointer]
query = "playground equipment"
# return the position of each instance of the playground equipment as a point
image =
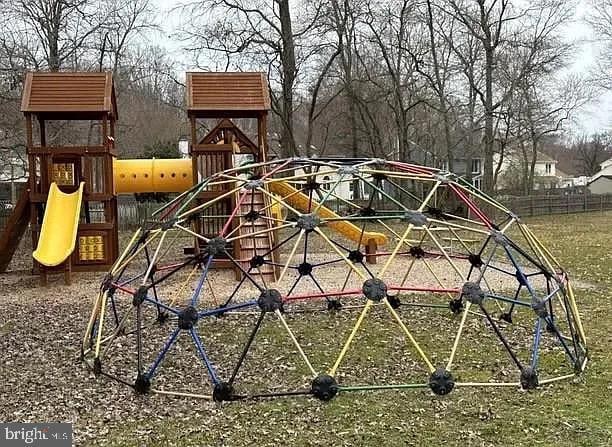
(496, 311)
(64, 177)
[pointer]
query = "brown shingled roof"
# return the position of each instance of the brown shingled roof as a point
(241, 93)
(69, 93)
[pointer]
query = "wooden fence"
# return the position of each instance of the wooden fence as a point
(529, 206)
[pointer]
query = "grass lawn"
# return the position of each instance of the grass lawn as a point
(576, 412)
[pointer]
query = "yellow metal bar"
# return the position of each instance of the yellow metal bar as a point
(410, 337)
(279, 201)
(94, 311)
(153, 259)
(333, 246)
(458, 336)
(154, 234)
(125, 251)
(291, 255)
(345, 348)
(178, 393)
(207, 204)
(435, 241)
(101, 325)
(556, 379)
(572, 301)
(295, 342)
(407, 232)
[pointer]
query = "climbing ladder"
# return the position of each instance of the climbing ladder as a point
(256, 235)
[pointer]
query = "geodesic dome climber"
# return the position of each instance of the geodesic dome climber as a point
(330, 276)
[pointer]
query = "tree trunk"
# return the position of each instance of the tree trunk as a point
(287, 139)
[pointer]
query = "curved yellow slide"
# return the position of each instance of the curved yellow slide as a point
(59, 228)
(300, 201)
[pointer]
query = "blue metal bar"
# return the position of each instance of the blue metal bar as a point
(220, 310)
(196, 293)
(162, 353)
(520, 272)
(162, 305)
(536, 343)
(204, 356)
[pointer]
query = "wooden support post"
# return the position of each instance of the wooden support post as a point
(371, 248)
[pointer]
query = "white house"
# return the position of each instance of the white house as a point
(546, 174)
(601, 183)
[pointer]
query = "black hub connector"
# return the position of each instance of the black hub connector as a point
(529, 378)
(324, 387)
(441, 382)
(539, 307)
(252, 216)
(257, 261)
(140, 295)
(367, 212)
(355, 256)
(187, 318)
(374, 289)
(97, 366)
(311, 185)
(456, 306)
(216, 246)
(506, 316)
(436, 213)
(473, 293)
(475, 260)
(334, 305)
(167, 224)
(222, 391)
(162, 317)
(142, 385)
(305, 268)
(394, 301)
(417, 252)
(308, 222)
(270, 300)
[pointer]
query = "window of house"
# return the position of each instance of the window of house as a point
(548, 168)
(326, 183)
(477, 182)
(476, 166)
(444, 165)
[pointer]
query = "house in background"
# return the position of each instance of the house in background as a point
(13, 177)
(601, 183)
(546, 173)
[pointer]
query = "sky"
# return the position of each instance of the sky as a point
(595, 117)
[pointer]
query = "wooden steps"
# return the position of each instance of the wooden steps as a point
(15, 227)
(256, 237)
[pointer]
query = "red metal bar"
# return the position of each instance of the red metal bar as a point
(472, 206)
(424, 289)
(322, 295)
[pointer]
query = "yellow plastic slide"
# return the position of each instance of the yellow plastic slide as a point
(299, 200)
(59, 228)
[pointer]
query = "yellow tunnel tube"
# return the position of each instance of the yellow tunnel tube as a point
(152, 175)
